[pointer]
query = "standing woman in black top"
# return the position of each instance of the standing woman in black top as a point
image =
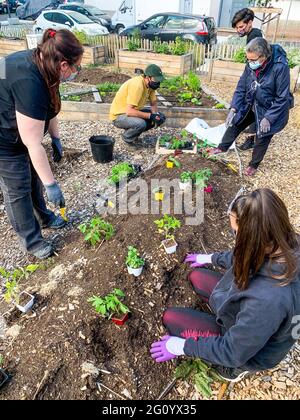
(243, 23)
(29, 104)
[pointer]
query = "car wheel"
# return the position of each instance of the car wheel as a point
(119, 29)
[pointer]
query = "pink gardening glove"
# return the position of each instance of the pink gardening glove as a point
(161, 353)
(198, 260)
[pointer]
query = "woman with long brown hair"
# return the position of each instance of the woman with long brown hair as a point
(29, 104)
(254, 304)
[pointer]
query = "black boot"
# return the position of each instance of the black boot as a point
(248, 144)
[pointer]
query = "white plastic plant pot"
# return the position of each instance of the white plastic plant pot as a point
(26, 301)
(170, 246)
(135, 271)
(33, 40)
(183, 186)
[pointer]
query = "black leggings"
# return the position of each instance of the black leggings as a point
(186, 322)
(260, 146)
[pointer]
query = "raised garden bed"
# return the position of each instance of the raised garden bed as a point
(93, 55)
(230, 71)
(172, 65)
(51, 349)
(9, 46)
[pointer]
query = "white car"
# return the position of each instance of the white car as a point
(68, 20)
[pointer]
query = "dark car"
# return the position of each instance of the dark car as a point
(91, 12)
(4, 5)
(168, 26)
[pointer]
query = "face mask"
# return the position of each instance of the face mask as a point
(254, 65)
(68, 79)
(154, 85)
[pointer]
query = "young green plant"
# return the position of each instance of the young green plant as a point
(167, 225)
(133, 259)
(109, 305)
(96, 230)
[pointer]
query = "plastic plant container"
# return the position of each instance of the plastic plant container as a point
(170, 245)
(120, 320)
(135, 271)
(209, 189)
(183, 186)
(102, 148)
(26, 301)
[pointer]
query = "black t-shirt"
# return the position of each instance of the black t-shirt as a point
(22, 89)
(254, 33)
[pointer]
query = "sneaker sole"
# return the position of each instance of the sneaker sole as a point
(238, 379)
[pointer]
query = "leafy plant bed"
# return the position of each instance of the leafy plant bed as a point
(66, 332)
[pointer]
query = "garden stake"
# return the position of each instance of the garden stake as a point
(99, 384)
(167, 389)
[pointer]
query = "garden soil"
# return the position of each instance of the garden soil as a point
(48, 360)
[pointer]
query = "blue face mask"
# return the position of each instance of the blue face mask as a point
(254, 65)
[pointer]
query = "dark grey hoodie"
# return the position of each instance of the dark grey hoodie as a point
(257, 322)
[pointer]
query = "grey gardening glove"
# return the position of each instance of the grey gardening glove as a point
(230, 118)
(265, 125)
(57, 149)
(55, 195)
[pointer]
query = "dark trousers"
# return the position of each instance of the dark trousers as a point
(187, 322)
(261, 143)
(134, 126)
(24, 200)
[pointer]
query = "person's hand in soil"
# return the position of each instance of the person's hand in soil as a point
(167, 348)
(198, 260)
(57, 149)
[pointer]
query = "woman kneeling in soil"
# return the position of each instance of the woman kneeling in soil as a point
(29, 103)
(262, 96)
(254, 303)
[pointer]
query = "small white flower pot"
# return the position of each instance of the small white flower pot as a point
(29, 300)
(135, 271)
(170, 246)
(183, 186)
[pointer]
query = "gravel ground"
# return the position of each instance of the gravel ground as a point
(80, 183)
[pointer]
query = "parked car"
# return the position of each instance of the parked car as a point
(68, 20)
(168, 26)
(92, 12)
(13, 4)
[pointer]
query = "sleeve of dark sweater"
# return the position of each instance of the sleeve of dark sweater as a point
(222, 259)
(258, 319)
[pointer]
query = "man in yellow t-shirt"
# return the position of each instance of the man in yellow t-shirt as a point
(127, 110)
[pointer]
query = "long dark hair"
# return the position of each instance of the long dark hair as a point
(264, 231)
(56, 46)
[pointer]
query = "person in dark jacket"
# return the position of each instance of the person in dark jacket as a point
(256, 302)
(262, 96)
(243, 23)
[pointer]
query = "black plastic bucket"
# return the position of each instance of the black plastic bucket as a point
(102, 148)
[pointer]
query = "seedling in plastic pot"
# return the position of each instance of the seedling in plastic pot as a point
(201, 177)
(171, 162)
(111, 307)
(134, 262)
(165, 140)
(185, 180)
(96, 230)
(167, 225)
(158, 194)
